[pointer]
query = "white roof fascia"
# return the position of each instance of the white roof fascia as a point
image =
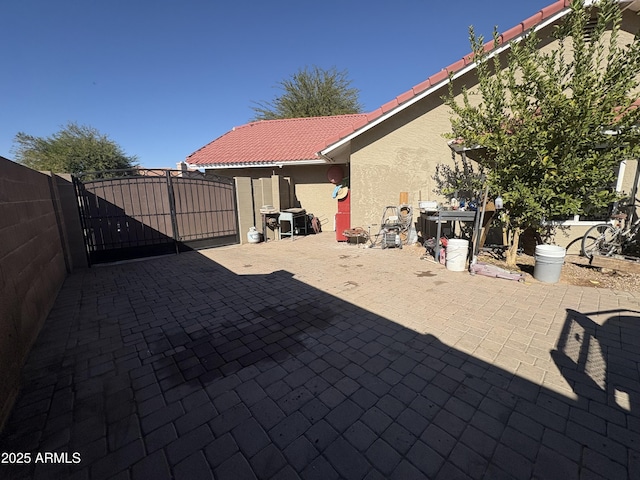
(321, 161)
(325, 152)
(218, 166)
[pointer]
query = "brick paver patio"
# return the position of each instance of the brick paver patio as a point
(317, 360)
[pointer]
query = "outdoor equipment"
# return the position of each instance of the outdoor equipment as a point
(394, 226)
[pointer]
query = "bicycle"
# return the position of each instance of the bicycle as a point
(608, 239)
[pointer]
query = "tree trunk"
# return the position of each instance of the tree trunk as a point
(512, 252)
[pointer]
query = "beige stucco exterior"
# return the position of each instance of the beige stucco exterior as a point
(310, 188)
(400, 154)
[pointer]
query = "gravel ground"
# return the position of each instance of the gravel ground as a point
(575, 271)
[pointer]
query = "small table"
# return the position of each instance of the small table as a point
(290, 216)
(448, 215)
(266, 215)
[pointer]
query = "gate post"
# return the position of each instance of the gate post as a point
(244, 207)
(83, 212)
(172, 210)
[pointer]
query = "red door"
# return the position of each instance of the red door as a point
(343, 217)
(342, 224)
(344, 205)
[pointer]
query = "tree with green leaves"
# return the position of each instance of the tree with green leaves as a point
(74, 149)
(553, 125)
(462, 180)
(312, 92)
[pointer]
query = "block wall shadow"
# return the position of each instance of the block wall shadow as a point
(113, 232)
(180, 367)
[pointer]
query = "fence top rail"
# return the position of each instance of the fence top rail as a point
(103, 175)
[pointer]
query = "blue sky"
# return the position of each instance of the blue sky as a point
(164, 77)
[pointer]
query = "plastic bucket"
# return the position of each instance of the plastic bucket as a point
(549, 261)
(457, 252)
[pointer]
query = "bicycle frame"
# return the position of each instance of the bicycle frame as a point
(613, 237)
(623, 235)
(628, 235)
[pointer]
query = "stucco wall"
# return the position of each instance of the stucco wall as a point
(628, 177)
(310, 187)
(401, 153)
(32, 268)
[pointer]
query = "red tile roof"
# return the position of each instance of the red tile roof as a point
(298, 139)
(443, 75)
(274, 141)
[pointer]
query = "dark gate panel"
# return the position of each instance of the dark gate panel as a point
(205, 211)
(136, 213)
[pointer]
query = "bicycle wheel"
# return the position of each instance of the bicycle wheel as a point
(600, 240)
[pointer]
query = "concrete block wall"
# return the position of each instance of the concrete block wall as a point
(69, 217)
(253, 193)
(305, 186)
(246, 209)
(32, 269)
(263, 195)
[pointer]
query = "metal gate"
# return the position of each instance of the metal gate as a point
(141, 212)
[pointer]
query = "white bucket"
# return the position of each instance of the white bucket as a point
(549, 261)
(253, 235)
(457, 253)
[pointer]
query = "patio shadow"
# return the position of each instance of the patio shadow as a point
(600, 362)
(176, 367)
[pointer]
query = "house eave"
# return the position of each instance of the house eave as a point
(274, 164)
(327, 151)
